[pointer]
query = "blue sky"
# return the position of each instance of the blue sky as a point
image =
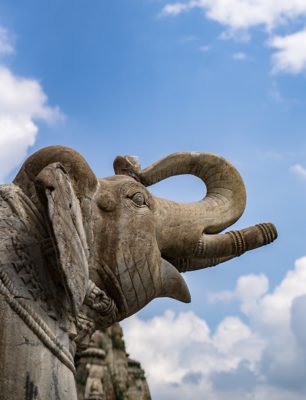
(151, 77)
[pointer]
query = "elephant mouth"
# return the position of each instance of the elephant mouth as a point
(164, 281)
(110, 285)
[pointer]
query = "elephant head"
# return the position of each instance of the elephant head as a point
(79, 253)
(117, 246)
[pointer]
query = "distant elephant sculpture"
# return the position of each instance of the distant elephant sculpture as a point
(80, 253)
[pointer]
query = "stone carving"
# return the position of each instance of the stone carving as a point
(79, 253)
(105, 371)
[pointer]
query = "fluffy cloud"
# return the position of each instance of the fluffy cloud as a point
(175, 9)
(291, 52)
(263, 357)
(22, 103)
(249, 289)
(242, 15)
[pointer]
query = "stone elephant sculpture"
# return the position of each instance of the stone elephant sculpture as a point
(79, 253)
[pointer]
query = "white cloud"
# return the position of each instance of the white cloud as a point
(248, 291)
(243, 14)
(174, 9)
(262, 358)
(22, 103)
(291, 52)
(299, 170)
(240, 56)
(239, 16)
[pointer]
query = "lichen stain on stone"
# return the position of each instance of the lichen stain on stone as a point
(31, 391)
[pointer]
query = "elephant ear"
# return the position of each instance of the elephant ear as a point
(64, 219)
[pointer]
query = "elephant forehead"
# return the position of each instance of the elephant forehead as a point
(115, 183)
(116, 179)
(121, 185)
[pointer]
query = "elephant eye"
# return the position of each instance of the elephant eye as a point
(139, 199)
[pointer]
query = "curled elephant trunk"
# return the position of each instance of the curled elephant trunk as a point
(179, 225)
(215, 249)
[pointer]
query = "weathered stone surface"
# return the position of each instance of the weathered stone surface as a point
(105, 371)
(80, 253)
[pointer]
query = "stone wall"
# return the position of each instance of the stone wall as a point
(106, 372)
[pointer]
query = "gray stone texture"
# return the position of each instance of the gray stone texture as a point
(105, 370)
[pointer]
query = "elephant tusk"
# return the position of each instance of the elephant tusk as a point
(172, 283)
